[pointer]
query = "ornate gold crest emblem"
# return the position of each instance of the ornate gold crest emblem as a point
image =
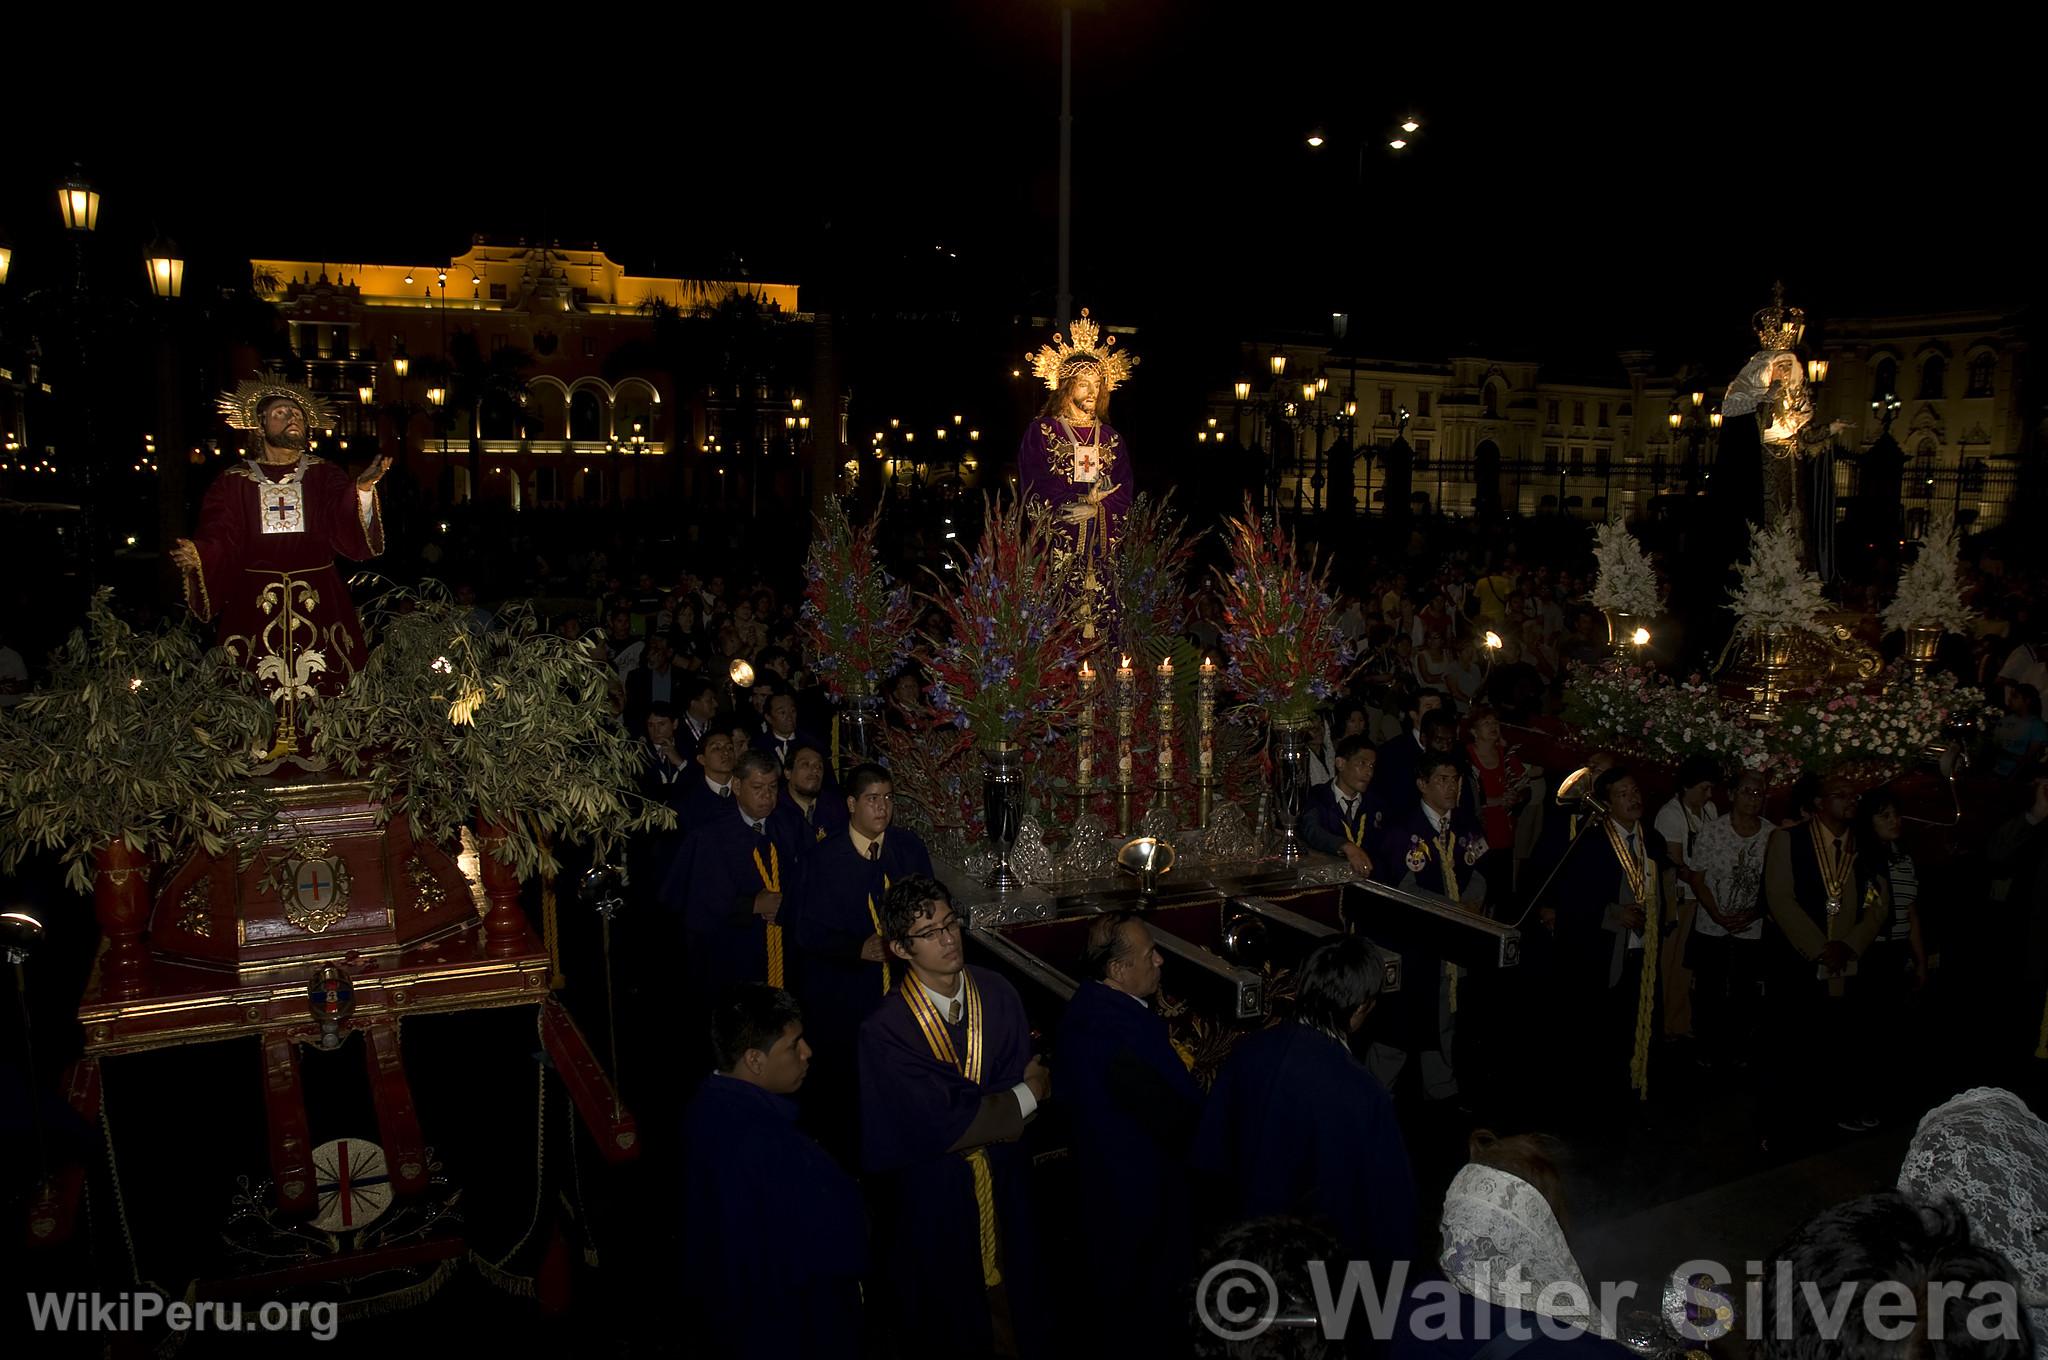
(313, 884)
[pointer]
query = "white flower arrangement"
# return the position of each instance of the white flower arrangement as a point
(1929, 594)
(1627, 584)
(1776, 590)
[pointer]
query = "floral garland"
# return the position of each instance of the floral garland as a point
(1287, 655)
(855, 622)
(1878, 731)
(1003, 667)
(1641, 713)
(1893, 724)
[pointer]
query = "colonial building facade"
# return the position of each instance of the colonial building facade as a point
(1604, 443)
(530, 375)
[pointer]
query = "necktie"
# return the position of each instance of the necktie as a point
(874, 849)
(953, 1013)
(1350, 806)
(725, 792)
(761, 830)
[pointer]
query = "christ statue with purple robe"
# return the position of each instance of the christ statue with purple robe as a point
(1072, 461)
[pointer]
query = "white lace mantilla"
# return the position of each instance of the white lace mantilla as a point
(1989, 1153)
(1502, 1244)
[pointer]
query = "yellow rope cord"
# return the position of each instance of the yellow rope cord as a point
(1646, 995)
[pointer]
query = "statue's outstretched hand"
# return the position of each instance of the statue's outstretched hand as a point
(377, 468)
(185, 554)
(1078, 512)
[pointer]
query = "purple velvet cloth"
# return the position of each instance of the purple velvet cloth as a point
(1046, 459)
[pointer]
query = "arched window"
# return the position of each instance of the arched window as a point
(1982, 370)
(1933, 378)
(586, 415)
(1489, 402)
(1886, 383)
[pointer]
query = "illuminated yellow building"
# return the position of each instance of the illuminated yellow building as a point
(593, 418)
(1609, 443)
(1591, 444)
(1959, 422)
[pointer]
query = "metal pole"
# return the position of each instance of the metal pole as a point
(1063, 301)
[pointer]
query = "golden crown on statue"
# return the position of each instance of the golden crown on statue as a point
(1778, 326)
(1056, 362)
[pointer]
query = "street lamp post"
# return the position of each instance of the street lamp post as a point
(79, 204)
(166, 270)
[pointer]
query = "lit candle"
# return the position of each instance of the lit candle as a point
(1126, 706)
(1166, 721)
(1084, 764)
(1205, 720)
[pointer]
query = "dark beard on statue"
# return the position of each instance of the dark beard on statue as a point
(293, 443)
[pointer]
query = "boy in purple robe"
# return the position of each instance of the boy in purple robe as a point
(846, 968)
(775, 1236)
(947, 1082)
(1072, 461)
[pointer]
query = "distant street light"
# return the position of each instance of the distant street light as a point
(166, 270)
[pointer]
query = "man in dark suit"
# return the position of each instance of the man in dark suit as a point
(709, 797)
(1433, 849)
(654, 680)
(814, 810)
(1393, 777)
(1134, 1110)
(782, 737)
(1826, 909)
(664, 778)
(847, 969)
(1608, 915)
(1342, 817)
(697, 707)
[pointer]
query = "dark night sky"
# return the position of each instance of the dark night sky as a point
(1572, 192)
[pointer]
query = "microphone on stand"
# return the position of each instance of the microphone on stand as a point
(1577, 787)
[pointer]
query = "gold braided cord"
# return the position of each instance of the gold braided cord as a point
(985, 1212)
(1642, 880)
(876, 917)
(941, 1043)
(771, 879)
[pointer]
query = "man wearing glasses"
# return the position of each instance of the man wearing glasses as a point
(947, 1081)
(837, 914)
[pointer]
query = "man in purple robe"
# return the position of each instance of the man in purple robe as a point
(1134, 1109)
(775, 1236)
(1295, 1125)
(947, 1082)
(1074, 463)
